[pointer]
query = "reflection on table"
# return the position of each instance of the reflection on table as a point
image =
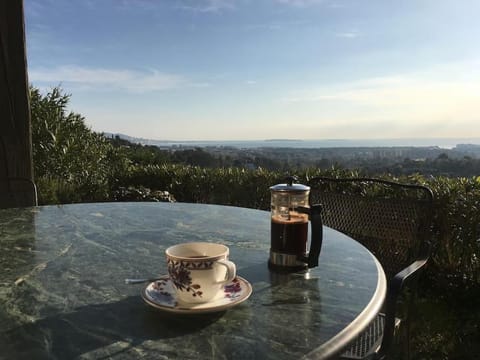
(63, 295)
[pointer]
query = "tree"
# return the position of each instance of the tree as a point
(66, 151)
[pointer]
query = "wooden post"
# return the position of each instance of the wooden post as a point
(15, 126)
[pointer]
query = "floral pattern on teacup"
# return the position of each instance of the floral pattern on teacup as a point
(233, 290)
(161, 293)
(180, 275)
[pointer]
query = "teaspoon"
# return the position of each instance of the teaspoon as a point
(141, 281)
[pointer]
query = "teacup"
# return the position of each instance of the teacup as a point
(199, 270)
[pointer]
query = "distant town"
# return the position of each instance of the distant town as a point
(459, 160)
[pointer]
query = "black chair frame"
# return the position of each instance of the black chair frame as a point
(359, 207)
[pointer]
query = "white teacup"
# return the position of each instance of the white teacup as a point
(198, 270)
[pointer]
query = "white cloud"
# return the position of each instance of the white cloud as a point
(278, 25)
(446, 83)
(105, 79)
(442, 100)
(206, 5)
(348, 34)
(336, 5)
(300, 3)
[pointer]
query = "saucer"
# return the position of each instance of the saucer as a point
(161, 295)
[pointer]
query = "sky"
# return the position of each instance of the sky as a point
(262, 69)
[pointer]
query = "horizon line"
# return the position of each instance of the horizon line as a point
(292, 139)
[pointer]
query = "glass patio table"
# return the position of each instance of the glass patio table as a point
(63, 295)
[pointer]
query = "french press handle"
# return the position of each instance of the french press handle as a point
(315, 215)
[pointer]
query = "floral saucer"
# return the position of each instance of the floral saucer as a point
(161, 295)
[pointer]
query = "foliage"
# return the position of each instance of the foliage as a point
(445, 324)
(457, 226)
(228, 186)
(71, 162)
(55, 190)
(141, 193)
(140, 154)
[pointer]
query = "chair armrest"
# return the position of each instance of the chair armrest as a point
(394, 289)
(398, 281)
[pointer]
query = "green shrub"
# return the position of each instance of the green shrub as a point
(227, 186)
(457, 231)
(71, 162)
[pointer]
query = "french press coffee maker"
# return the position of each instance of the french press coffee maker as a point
(290, 213)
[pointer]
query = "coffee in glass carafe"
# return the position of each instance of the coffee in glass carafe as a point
(290, 215)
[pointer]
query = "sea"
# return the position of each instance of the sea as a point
(445, 143)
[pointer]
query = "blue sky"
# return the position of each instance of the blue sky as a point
(260, 69)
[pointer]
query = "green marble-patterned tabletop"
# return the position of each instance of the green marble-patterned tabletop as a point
(63, 295)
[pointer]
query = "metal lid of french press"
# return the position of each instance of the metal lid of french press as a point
(289, 186)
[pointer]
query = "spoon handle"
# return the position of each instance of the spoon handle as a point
(141, 281)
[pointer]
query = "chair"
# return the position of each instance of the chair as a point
(393, 221)
(17, 192)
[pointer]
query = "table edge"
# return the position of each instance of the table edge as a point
(340, 341)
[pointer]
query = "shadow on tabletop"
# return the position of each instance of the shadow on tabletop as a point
(120, 328)
(117, 326)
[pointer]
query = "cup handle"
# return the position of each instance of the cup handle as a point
(231, 270)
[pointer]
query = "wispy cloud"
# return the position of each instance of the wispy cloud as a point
(278, 25)
(212, 6)
(392, 91)
(348, 34)
(300, 3)
(463, 73)
(336, 5)
(128, 5)
(106, 79)
(437, 96)
(267, 26)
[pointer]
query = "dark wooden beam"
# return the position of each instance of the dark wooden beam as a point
(15, 126)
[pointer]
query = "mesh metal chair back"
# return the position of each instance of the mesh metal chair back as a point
(390, 219)
(393, 221)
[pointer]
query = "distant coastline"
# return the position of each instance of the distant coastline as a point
(444, 143)
(284, 140)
